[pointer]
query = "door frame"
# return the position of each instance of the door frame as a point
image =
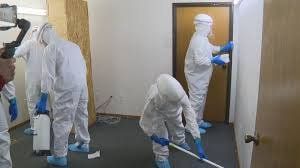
(206, 4)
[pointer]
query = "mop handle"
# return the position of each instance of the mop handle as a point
(194, 155)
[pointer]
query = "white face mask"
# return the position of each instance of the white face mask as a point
(204, 29)
(211, 33)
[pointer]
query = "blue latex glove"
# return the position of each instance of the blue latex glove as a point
(13, 109)
(200, 149)
(161, 141)
(217, 60)
(42, 103)
(228, 47)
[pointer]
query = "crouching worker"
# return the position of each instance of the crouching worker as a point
(162, 118)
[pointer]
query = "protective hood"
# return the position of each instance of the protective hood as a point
(34, 32)
(203, 19)
(169, 88)
(46, 34)
(203, 24)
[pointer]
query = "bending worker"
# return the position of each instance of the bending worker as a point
(64, 71)
(162, 119)
(199, 66)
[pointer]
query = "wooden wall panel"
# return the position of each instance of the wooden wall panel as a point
(57, 16)
(70, 18)
(78, 32)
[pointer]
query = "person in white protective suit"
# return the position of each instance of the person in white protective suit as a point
(162, 115)
(31, 51)
(64, 71)
(8, 92)
(199, 65)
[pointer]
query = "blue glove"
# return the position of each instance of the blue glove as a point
(13, 109)
(42, 103)
(161, 141)
(227, 48)
(200, 149)
(217, 60)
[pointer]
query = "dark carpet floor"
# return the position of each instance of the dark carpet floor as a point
(124, 145)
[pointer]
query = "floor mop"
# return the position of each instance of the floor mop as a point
(194, 155)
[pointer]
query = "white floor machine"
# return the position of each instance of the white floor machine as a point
(41, 135)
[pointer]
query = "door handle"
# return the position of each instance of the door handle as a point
(250, 138)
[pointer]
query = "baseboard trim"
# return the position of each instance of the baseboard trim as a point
(121, 115)
(18, 125)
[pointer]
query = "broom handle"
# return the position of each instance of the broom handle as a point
(194, 155)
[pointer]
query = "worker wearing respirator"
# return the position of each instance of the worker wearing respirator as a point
(31, 51)
(64, 72)
(162, 118)
(199, 65)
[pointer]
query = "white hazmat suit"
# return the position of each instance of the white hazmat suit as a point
(198, 67)
(8, 92)
(162, 114)
(64, 71)
(32, 51)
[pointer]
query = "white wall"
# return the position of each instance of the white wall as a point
(131, 44)
(234, 67)
(248, 39)
(8, 36)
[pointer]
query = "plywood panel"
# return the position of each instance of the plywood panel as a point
(57, 16)
(78, 32)
(217, 95)
(278, 107)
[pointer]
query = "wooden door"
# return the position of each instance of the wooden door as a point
(278, 114)
(216, 105)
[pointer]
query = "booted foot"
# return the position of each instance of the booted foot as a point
(185, 146)
(162, 164)
(28, 131)
(204, 124)
(202, 131)
(79, 147)
(57, 161)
